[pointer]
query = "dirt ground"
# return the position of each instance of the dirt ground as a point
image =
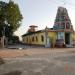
(10, 53)
(37, 61)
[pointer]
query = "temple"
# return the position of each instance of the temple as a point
(61, 35)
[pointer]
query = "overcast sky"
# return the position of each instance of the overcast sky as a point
(42, 12)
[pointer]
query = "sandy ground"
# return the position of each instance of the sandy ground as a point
(38, 61)
(10, 53)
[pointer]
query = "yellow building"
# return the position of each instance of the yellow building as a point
(41, 37)
(61, 35)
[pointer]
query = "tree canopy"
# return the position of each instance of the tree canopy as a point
(13, 15)
(10, 17)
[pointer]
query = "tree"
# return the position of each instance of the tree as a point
(10, 13)
(2, 16)
(10, 18)
(15, 39)
(13, 15)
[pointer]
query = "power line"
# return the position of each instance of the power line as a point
(62, 2)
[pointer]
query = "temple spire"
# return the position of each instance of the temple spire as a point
(62, 20)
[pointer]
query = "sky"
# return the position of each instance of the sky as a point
(42, 13)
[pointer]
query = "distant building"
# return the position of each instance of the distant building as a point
(61, 35)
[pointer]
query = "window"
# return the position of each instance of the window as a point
(27, 39)
(42, 38)
(36, 38)
(33, 39)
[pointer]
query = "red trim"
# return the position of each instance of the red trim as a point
(62, 30)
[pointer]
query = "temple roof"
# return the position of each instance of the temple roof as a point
(62, 20)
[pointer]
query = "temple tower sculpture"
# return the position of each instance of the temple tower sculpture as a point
(62, 20)
(63, 26)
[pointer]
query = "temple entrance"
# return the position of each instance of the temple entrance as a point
(67, 38)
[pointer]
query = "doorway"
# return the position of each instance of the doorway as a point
(67, 38)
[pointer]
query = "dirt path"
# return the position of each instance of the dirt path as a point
(9, 53)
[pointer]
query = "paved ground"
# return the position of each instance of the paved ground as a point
(38, 61)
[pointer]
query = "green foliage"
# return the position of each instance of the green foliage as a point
(13, 15)
(10, 13)
(2, 12)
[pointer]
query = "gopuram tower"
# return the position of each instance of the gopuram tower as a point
(63, 26)
(62, 20)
